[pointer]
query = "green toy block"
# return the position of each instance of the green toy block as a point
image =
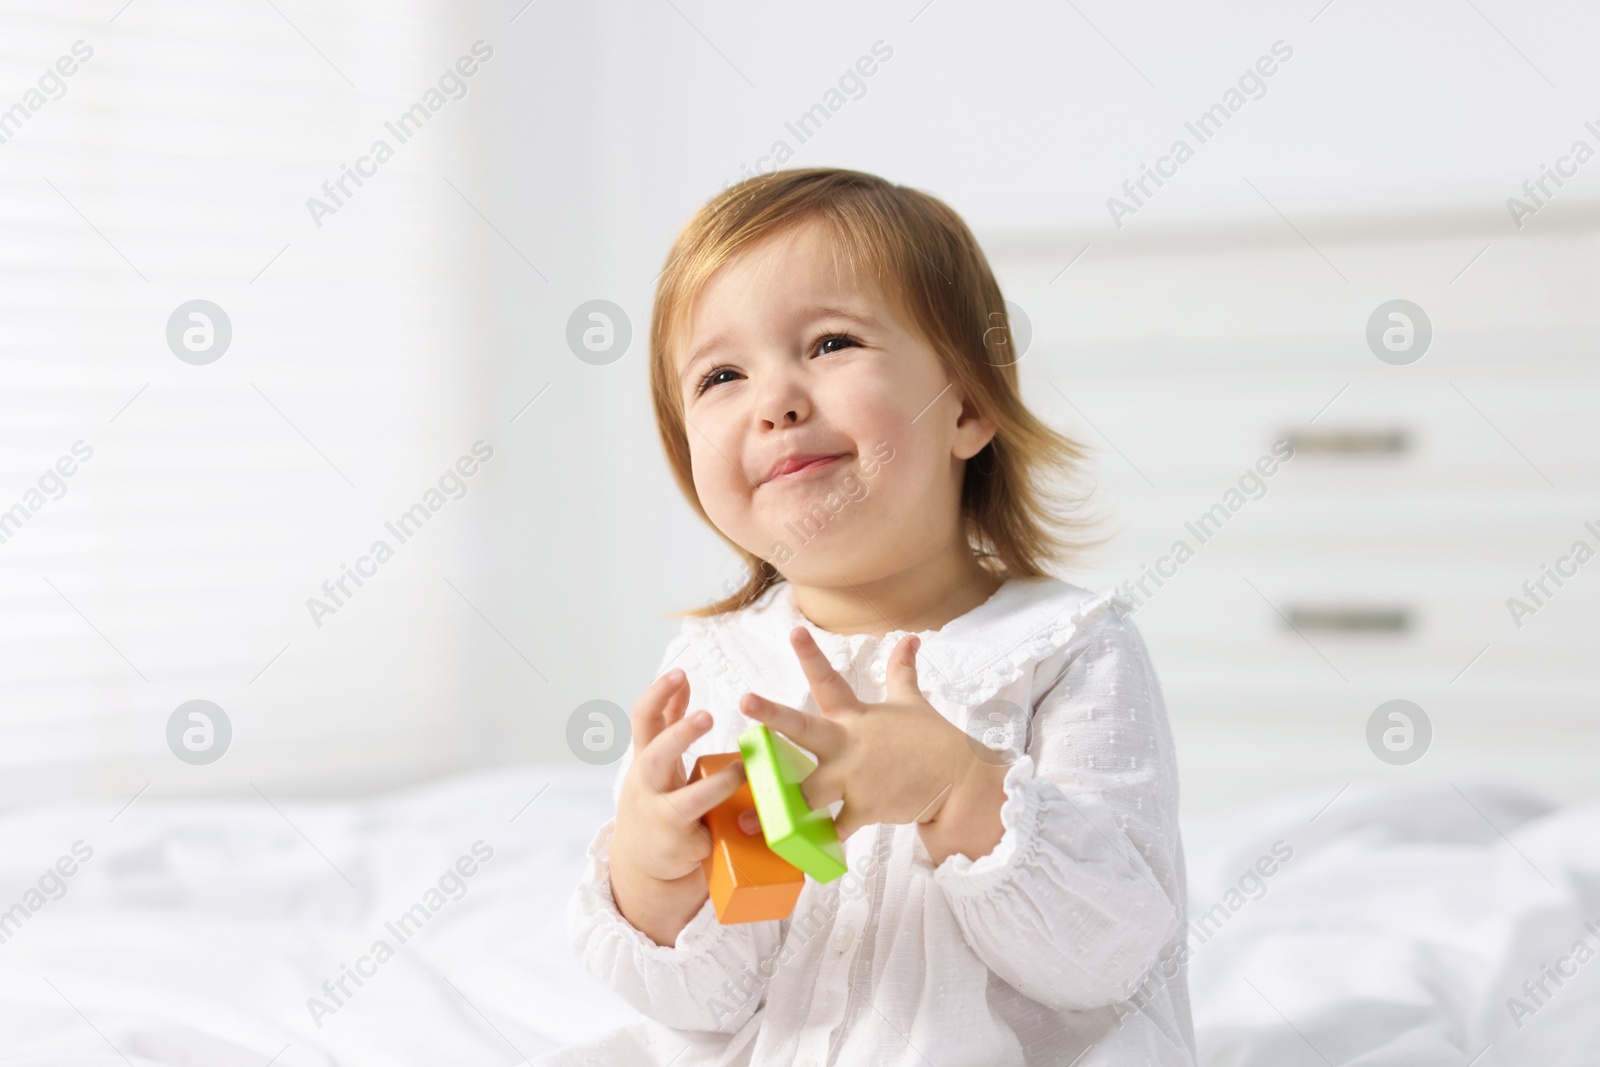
(808, 839)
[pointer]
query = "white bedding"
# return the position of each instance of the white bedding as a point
(196, 932)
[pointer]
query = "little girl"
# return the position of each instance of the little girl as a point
(833, 384)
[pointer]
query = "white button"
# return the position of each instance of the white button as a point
(844, 939)
(879, 674)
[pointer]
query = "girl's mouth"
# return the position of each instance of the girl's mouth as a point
(801, 466)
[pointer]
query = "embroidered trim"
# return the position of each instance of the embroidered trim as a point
(601, 914)
(1019, 814)
(724, 649)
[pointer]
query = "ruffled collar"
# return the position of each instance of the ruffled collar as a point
(967, 660)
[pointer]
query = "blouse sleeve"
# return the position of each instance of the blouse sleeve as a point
(711, 978)
(1074, 904)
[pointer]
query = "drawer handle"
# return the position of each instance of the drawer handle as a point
(1350, 620)
(1350, 442)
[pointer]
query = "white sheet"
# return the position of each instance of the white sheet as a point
(197, 931)
(1397, 932)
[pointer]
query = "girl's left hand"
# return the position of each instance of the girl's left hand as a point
(898, 761)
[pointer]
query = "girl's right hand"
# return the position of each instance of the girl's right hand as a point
(659, 842)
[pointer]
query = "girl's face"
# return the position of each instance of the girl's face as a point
(824, 435)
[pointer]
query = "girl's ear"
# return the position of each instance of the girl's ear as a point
(973, 431)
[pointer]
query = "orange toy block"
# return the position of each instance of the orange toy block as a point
(749, 882)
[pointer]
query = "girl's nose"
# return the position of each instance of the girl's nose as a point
(783, 410)
(783, 403)
(788, 418)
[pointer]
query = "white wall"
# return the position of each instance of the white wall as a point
(1251, 345)
(1228, 308)
(177, 165)
(1390, 139)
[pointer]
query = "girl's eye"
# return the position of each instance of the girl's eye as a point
(846, 339)
(714, 377)
(711, 379)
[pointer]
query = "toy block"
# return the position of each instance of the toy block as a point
(748, 881)
(774, 768)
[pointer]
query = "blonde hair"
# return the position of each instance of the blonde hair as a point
(932, 269)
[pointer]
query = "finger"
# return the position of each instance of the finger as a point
(902, 672)
(677, 704)
(648, 713)
(750, 822)
(695, 799)
(846, 823)
(833, 693)
(662, 758)
(813, 733)
(822, 786)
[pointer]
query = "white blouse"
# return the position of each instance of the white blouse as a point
(1063, 946)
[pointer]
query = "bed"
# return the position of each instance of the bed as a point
(1392, 929)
